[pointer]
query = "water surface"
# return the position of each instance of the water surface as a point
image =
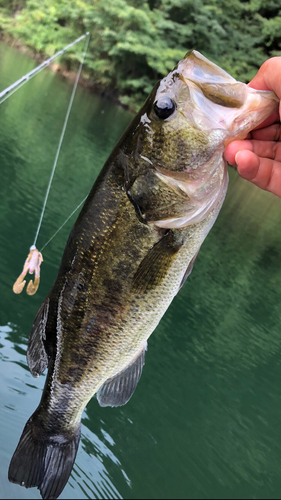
(204, 421)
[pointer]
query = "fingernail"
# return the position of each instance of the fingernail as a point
(237, 158)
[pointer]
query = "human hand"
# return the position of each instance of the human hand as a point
(258, 158)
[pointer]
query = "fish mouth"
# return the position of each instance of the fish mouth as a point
(218, 101)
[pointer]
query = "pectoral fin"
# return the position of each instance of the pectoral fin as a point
(117, 390)
(154, 267)
(37, 357)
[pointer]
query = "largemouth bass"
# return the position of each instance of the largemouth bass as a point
(130, 251)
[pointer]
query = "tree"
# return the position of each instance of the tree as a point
(134, 43)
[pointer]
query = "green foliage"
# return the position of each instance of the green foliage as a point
(134, 43)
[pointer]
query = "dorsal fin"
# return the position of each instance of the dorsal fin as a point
(117, 390)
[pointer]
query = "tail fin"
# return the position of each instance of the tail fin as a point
(43, 460)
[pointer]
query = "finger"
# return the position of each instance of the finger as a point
(263, 172)
(271, 133)
(268, 76)
(273, 118)
(264, 149)
(233, 148)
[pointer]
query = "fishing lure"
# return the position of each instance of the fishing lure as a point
(31, 265)
(34, 258)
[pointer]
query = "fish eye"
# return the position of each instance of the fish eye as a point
(164, 107)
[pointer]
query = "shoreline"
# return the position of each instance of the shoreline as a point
(62, 70)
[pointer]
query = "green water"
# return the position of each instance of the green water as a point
(204, 421)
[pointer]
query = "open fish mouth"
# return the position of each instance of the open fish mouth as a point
(239, 107)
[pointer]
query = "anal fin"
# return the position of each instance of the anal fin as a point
(37, 357)
(117, 390)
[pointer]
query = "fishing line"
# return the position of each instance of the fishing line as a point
(34, 258)
(58, 230)
(61, 137)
